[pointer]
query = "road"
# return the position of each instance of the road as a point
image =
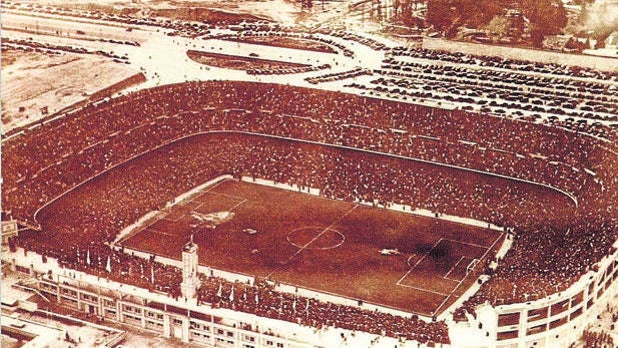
(163, 59)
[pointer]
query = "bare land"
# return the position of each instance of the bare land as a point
(34, 80)
(535, 55)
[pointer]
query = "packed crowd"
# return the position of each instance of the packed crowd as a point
(142, 185)
(114, 200)
(485, 146)
(532, 276)
(593, 339)
(261, 299)
(44, 161)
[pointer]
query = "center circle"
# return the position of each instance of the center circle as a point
(315, 238)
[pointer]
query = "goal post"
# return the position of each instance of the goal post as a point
(472, 265)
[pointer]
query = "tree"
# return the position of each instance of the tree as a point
(498, 27)
(547, 17)
(448, 15)
(480, 12)
(441, 14)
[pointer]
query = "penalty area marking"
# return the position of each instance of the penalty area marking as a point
(399, 282)
(445, 277)
(455, 266)
(410, 259)
(240, 200)
(423, 290)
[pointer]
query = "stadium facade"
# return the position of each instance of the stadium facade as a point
(555, 321)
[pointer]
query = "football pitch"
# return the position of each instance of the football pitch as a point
(324, 245)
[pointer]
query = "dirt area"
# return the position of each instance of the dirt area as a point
(32, 81)
(9, 342)
(87, 336)
(8, 58)
(601, 63)
(205, 14)
(237, 62)
(145, 339)
(281, 11)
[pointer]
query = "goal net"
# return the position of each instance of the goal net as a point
(472, 265)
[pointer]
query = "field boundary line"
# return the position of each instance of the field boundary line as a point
(183, 199)
(452, 268)
(237, 198)
(464, 278)
(424, 290)
(467, 243)
(238, 204)
(163, 233)
(417, 262)
(237, 201)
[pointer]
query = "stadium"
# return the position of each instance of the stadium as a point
(236, 212)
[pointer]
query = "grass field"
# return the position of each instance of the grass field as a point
(325, 245)
(237, 62)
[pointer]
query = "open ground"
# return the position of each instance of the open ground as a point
(34, 80)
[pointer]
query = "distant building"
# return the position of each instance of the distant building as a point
(612, 40)
(516, 21)
(562, 43)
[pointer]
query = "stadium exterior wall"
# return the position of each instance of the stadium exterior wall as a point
(181, 319)
(554, 321)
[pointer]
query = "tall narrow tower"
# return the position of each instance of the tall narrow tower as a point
(190, 280)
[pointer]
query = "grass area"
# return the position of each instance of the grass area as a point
(326, 245)
(237, 62)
